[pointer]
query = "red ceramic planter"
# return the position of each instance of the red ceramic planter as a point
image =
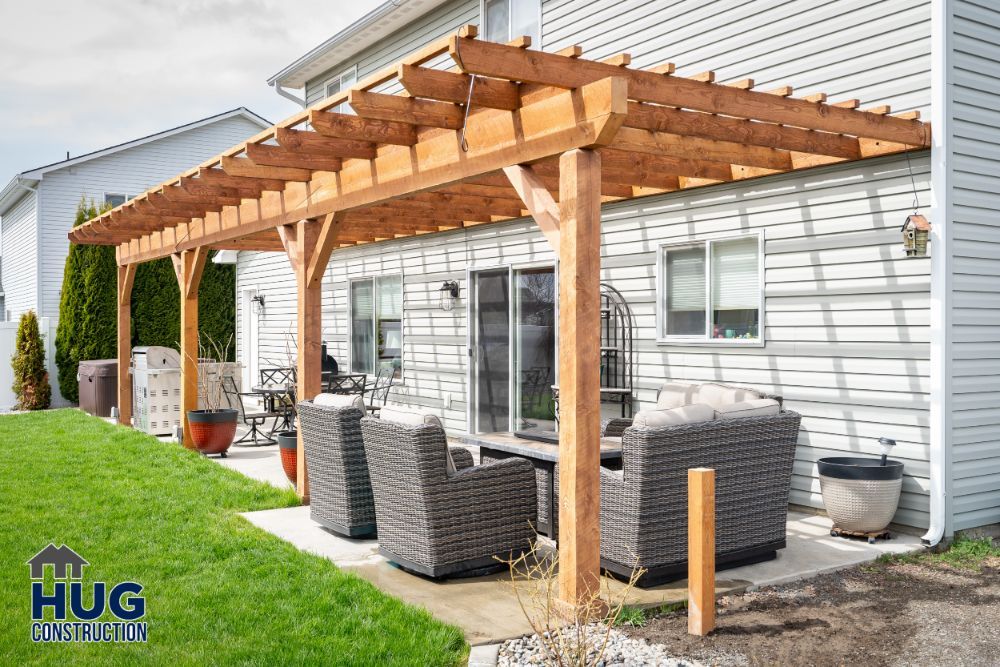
(212, 430)
(288, 442)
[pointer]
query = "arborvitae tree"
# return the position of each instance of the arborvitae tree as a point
(87, 308)
(31, 380)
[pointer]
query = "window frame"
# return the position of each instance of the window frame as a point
(343, 107)
(661, 291)
(116, 194)
(402, 328)
(510, 15)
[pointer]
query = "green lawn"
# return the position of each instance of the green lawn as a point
(217, 589)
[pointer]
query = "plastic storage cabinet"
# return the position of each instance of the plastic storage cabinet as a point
(156, 389)
(98, 380)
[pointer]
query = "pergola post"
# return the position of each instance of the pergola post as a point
(579, 377)
(189, 266)
(308, 244)
(126, 278)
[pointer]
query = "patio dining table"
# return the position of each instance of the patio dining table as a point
(280, 399)
(541, 448)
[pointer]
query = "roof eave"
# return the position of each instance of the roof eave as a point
(15, 190)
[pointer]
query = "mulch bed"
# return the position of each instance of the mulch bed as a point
(916, 613)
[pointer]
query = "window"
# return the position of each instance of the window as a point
(711, 291)
(376, 306)
(342, 81)
(115, 199)
(506, 19)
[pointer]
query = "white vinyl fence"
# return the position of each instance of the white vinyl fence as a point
(8, 336)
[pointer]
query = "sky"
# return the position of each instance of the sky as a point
(78, 75)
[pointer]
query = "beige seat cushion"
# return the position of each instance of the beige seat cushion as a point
(758, 407)
(719, 396)
(412, 417)
(408, 416)
(340, 401)
(686, 414)
(676, 394)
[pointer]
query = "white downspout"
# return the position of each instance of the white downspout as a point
(941, 268)
(288, 96)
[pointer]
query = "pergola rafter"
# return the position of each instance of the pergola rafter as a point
(551, 135)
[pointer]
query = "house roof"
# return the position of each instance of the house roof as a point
(373, 26)
(418, 161)
(16, 188)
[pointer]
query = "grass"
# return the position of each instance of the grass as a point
(218, 590)
(964, 553)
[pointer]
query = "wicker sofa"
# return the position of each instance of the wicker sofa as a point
(444, 524)
(644, 505)
(340, 493)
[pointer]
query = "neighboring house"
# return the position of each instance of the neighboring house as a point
(814, 298)
(37, 207)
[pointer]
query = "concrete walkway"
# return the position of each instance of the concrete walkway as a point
(487, 609)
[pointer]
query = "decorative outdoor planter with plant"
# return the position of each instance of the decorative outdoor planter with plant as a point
(288, 445)
(861, 495)
(213, 428)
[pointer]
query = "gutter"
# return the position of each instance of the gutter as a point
(287, 95)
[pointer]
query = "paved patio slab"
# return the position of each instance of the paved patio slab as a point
(486, 608)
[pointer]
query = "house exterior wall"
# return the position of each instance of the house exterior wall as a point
(846, 317)
(972, 194)
(130, 171)
(18, 248)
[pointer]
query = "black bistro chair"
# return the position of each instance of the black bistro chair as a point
(378, 391)
(255, 420)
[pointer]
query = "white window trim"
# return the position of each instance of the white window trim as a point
(661, 296)
(482, 22)
(114, 194)
(339, 78)
(397, 382)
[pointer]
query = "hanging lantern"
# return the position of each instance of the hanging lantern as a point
(916, 231)
(449, 292)
(257, 304)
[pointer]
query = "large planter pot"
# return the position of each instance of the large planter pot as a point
(860, 495)
(288, 446)
(212, 430)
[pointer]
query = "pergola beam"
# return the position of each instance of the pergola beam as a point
(406, 109)
(264, 155)
(342, 126)
(313, 143)
(435, 84)
(550, 69)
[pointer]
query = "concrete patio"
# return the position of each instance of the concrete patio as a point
(487, 609)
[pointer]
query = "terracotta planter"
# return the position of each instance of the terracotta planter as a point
(288, 444)
(212, 430)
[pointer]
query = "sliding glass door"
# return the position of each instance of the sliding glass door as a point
(512, 320)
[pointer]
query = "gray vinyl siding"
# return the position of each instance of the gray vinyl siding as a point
(846, 316)
(975, 302)
(19, 245)
(874, 51)
(130, 171)
(443, 20)
(847, 321)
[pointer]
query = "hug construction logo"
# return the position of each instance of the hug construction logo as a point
(72, 619)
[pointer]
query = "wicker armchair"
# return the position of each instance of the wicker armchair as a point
(340, 493)
(644, 505)
(438, 524)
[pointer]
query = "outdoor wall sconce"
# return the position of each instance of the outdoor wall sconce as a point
(449, 292)
(916, 231)
(257, 303)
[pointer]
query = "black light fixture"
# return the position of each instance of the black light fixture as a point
(257, 303)
(449, 292)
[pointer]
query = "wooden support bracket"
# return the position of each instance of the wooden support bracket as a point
(538, 200)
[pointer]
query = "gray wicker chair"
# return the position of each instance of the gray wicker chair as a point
(644, 505)
(438, 524)
(340, 493)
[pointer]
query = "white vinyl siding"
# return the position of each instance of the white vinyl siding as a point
(131, 171)
(974, 194)
(19, 250)
(846, 315)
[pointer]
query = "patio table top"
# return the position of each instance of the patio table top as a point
(611, 448)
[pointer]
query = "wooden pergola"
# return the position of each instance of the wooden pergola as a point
(506, 132)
